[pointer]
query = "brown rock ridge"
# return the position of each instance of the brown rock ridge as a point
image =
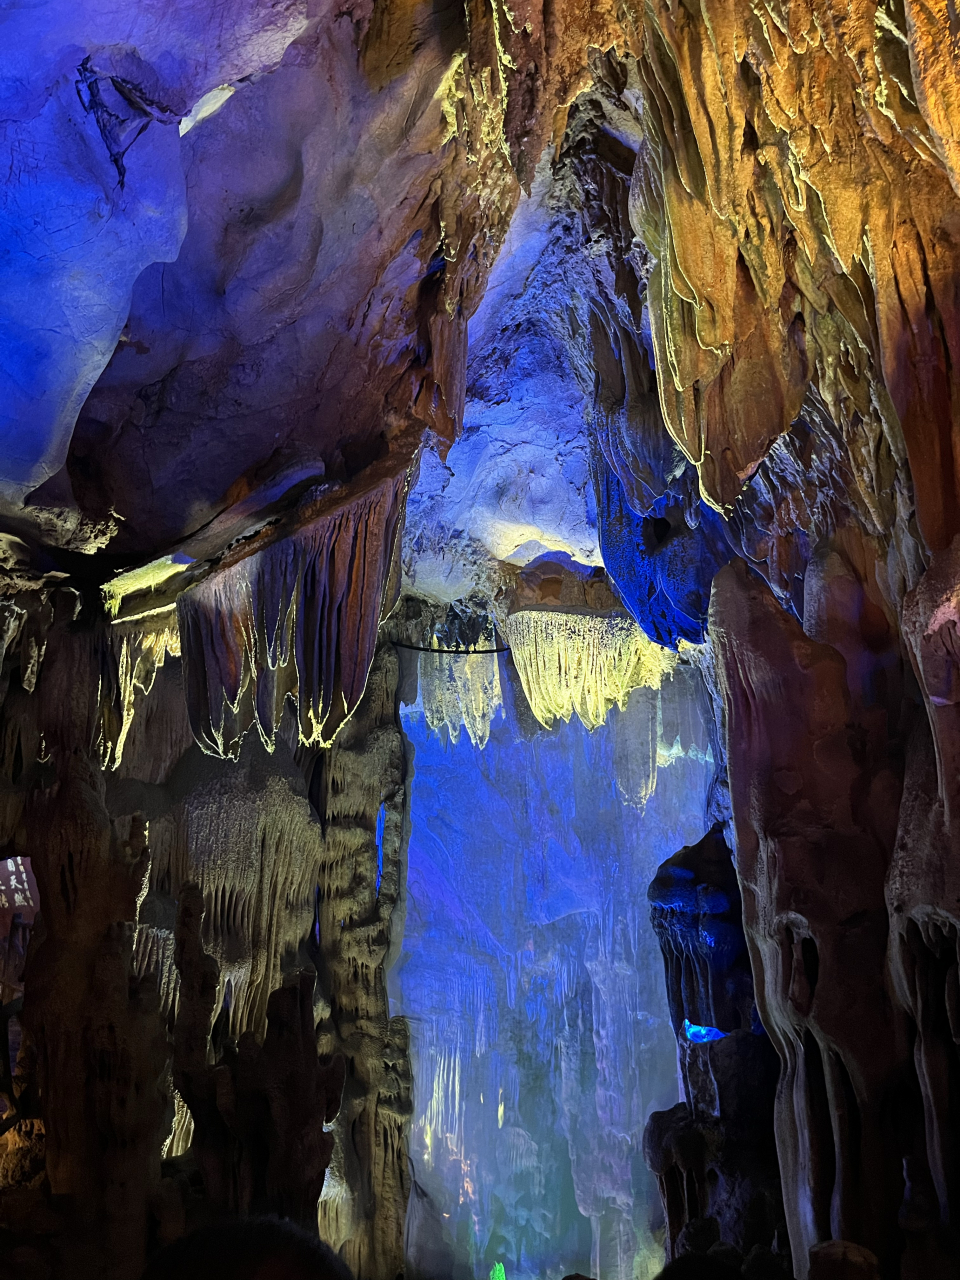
(815, 803)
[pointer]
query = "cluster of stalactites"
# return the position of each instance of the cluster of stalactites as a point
(459, 685)
(139, 655)
(581, 661)
(298, 618)
(246, 837)
(798, 187)
(461, 691)
(456, 650)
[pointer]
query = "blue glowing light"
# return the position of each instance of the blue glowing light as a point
(381, 813)
(701, 1035)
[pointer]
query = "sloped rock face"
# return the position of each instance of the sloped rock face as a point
(342, 213)
(96, 189)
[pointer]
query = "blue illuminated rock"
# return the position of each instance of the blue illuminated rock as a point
(533, 987)
(91, 96)
(661, 563)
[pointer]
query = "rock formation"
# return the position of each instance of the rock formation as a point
(713, 1153)
(358, 789)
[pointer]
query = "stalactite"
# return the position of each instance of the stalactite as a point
(637, 749)
(794, 189)
(280, 595)
(658, 727)
(458, 673)
(580, 661)
(662, 561)
(141, 654)
(460, 691)
(244, 834)
(534, 991)
(300, 616)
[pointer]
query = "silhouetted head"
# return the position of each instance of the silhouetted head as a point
(257, 1249)
(698, 1266)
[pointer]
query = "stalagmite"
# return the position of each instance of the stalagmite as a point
(713, 1153)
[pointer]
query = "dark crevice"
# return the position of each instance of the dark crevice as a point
(820, 1137)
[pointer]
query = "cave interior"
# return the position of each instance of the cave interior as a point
(480, 637)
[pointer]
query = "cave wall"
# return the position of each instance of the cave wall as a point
(540, 1036)
(191, 967)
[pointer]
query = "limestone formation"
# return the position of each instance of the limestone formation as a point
(713, 1153)
(358, 789)
(582, 661)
